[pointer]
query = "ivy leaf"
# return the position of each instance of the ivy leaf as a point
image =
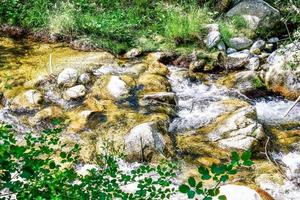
(192, 181)
(224, 178)
(184, 188)
(235, 158)
(63, 155)
(222, 197)
(246, 155)
(191, 194)
(204, 172)
(248, 163)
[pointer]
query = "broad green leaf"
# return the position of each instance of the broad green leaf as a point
(192, 181)
(184, 188)
(224, 178)
(191, 194)
(246, 155)
(222, 197)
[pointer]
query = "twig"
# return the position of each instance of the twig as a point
(289, 110)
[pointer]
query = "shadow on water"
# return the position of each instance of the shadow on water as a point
(13, 51)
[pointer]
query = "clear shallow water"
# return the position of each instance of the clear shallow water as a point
(197, 106)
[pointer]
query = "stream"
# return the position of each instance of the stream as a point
(198, 105)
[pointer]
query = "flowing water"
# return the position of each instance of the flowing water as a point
(197, 102)
(197, 107)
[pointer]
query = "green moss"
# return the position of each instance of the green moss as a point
(257, 83)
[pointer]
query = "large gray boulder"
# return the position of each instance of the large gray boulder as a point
(283, 71)
(240, 43)
(258, 14)
(67, 77)
(144, 140)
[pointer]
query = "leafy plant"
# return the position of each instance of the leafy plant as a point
(257, 83)
(218, 173)
(44, 168)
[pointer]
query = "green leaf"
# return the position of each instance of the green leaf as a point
(191, 194)
(207, 198)
(246, 155)
(234, 157)
(184, 188)
(204, 172)
(199, 185)
(52, 165)
(248, 163)
(63, 155)
(224, 178)
(192, 181)
(222, 197)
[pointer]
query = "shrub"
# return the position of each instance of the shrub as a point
(31, 171)
(218, 173)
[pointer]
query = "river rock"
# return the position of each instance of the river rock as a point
(283, 71)
(68, 77)
(246, 82)
(237, 60)
(133, 53)
(231, 50)
(234, 127)
(239, 43)
(144, 138)
(75, 92)
(253, 64)
(212, 27)
(153, 83)
(84, 78)
(213, 38)
(240, 130)
(221, 46)
(117, 87)
(46, 114)
(28, 100)
(257, 46)
(258, 14)
(85, 119)
(161, 102)
(111, 87)
(273, 40)
(235, 192)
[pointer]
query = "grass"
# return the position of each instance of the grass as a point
(120, 25)
(114, 25)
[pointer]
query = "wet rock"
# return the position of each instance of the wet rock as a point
(133, 53)
(45, 115)
(68, 77)
(246, 82)
(231, 50)
(240, 130)
(237, 60)
(258, 14)
(26, 101)
(253, 64)
(221, 46)
(155, 67)
(283, 71)
(153, 83)
(84, 78)
(117, 87)
(162, 102)
(112, 87)
(163, 57)
(75, 92)
(85, 119)
(185, 60)
(234, 127)
(213, 38)
(143, 142)
(234, 192)
(240, 43)
(257, 46)
(273, 40)
(197, 66)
